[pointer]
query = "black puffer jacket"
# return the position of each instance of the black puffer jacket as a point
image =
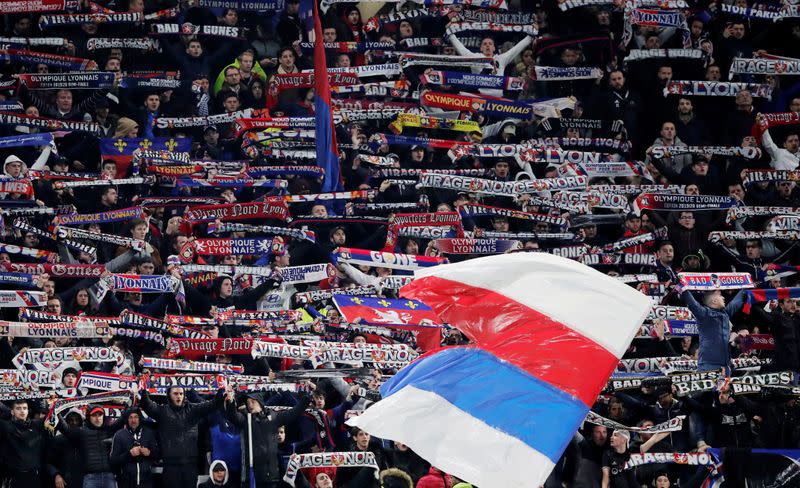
(265, 438)
(94, 444)
(177, 426)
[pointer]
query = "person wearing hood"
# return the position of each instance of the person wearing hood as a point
(264, 430)
(226, 444)
(177, 433)
(64, 459)
(395, 478)
(436, 479)
(223, 288)
(133, 451)
(16, 167)
(695, 261)
(93, 439)
(217, 476)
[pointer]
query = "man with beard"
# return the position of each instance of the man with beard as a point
(263, 426)
(133, 451)
(177, 433)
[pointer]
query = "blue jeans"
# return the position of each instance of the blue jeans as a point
(99, 480)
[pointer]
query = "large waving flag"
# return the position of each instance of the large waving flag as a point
(327, 150)
(548, 332)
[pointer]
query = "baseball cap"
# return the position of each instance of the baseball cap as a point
(95, 410)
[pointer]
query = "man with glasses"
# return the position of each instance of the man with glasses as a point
(233, 83)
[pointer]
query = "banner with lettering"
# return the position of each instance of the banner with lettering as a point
(715, 281)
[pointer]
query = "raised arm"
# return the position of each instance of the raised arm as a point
(769, 145)
(70, 433)
(700, 312)
(736, 304)
(41, 161)
(289, 416)
(459, 47)
(236, 417)
(150, 408)
(200, 410)
(652, 441)
(515, 51)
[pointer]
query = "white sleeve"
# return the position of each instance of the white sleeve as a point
(493, 129)
(41, 161)
(511, 54)
(666, 34)
(356, 275)
(770, 147)
(459, 47)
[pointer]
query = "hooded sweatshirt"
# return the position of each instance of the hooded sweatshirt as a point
(210, 483)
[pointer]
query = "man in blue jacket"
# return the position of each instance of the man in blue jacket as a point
(714, 326)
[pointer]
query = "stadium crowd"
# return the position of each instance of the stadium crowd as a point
(171, 180)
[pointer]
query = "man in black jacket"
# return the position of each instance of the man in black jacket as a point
(784, 323)
(94, 441)
(290, 27)
(619, 102)
(177, 434)
(264, 428)
(361, 477)
(133, 451)
(21, 444)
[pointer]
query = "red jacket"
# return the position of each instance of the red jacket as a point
(638, 248)
(435, 479)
